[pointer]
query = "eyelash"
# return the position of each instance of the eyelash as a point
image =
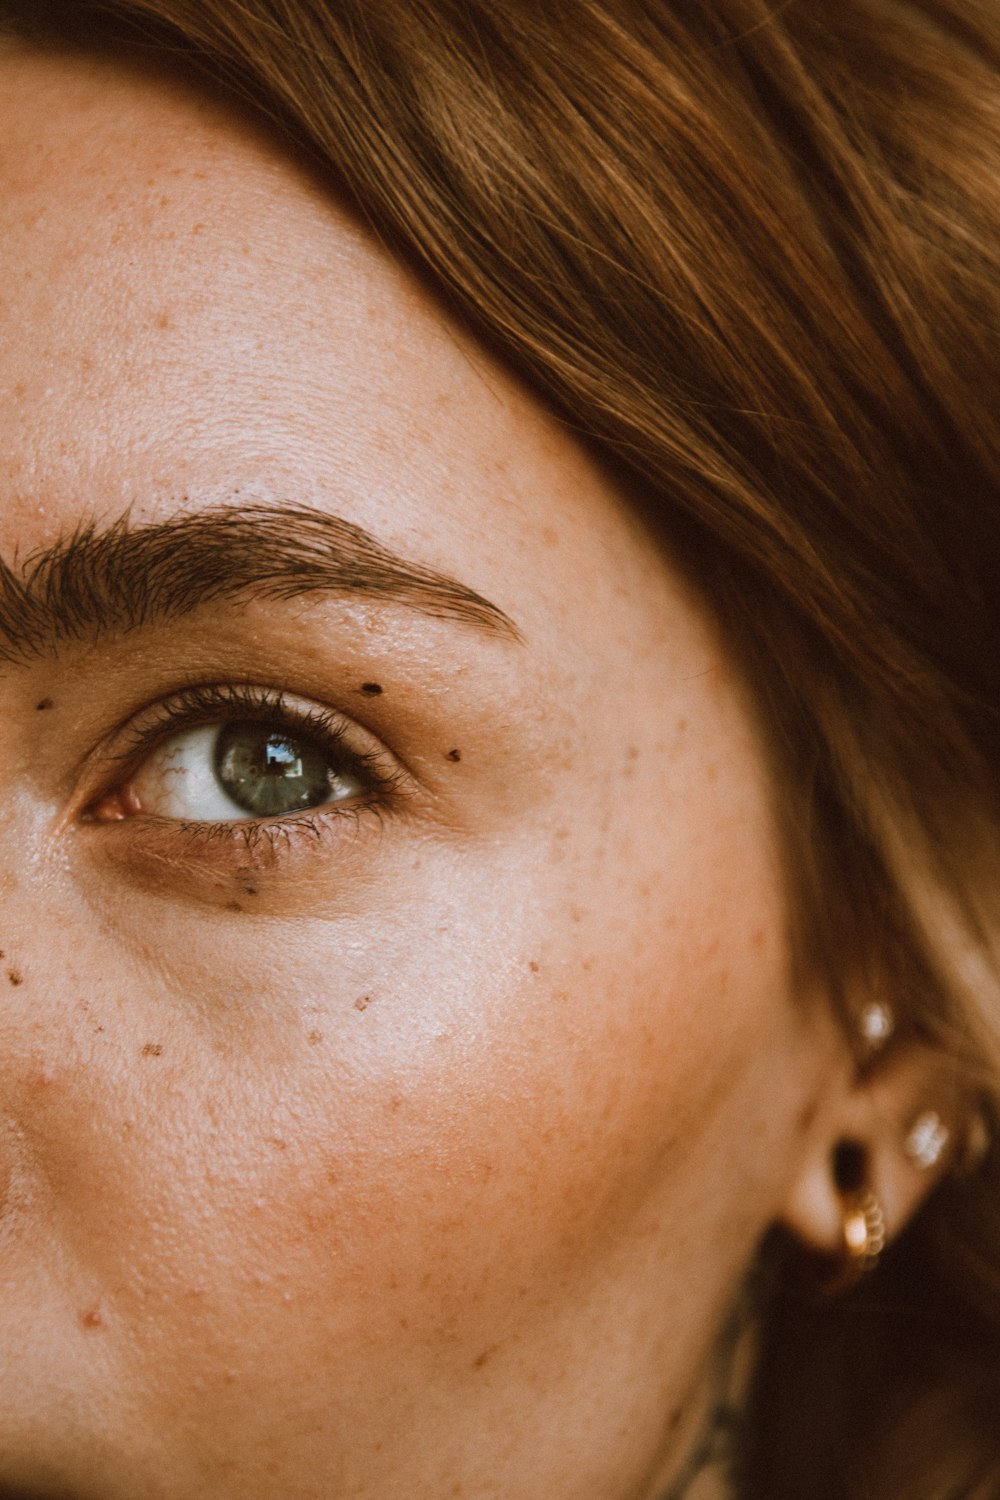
(202, 704)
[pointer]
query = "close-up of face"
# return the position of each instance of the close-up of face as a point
(400, 1061)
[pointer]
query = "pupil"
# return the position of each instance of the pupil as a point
(268, 772)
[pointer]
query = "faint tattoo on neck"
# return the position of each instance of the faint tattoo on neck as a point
(720, 1446)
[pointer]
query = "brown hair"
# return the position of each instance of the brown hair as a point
(750, 253)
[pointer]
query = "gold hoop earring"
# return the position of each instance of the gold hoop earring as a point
(864, 1236)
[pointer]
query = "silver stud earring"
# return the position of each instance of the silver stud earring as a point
(926, 1140)
(876, 1025)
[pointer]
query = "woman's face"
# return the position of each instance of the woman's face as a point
(398, 1063)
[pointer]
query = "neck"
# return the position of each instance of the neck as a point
(706, 1464)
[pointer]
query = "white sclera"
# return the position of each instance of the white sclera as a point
(179, 780)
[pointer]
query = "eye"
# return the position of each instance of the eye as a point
(231, 754)
(244, 769)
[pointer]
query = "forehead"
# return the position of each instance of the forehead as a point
(190, 318)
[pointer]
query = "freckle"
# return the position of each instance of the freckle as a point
(395, 1104)
(362, 1002)
(533, 967)
(314, 1038)
(98, 1030)
(455, 755)
(15, 976)
(249, 890)
(152, 1049)
(550, 536)
(482, 1359)
(163, 321)
(43, 705)
(373, 689)
(233, 906)
(712, 774)
(92, 1318)
(758, 938)
(807, 1115)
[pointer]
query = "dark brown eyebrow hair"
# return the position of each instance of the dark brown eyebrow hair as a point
(110, 580)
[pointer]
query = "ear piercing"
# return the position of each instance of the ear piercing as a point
(926, 1140)
(864, 1232)
(864, 1235)
(876, 1024)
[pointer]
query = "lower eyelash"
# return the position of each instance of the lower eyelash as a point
(267, 836)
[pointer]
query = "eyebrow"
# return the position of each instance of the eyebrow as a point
(112, 580)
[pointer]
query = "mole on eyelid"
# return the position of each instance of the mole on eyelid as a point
(373, 689)
(43, 705)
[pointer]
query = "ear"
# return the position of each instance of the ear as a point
(895, 1128)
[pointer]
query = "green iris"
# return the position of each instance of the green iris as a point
(269, 772)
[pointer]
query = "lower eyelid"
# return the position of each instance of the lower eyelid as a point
(252, 866)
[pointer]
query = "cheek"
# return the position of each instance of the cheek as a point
(421, 1173)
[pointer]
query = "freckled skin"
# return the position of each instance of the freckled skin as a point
(459, 1128)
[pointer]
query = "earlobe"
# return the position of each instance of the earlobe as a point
(884, 1138)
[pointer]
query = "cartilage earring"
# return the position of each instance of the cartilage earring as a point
(926, 1140)
(876, 1024)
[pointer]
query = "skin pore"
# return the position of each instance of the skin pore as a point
(418, 1143)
